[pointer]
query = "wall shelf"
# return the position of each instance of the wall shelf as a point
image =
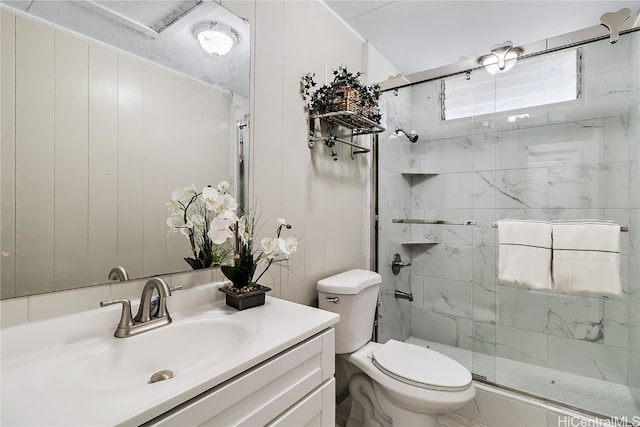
(359, 124)
(355, 123)
(418, 242)
(412, 174)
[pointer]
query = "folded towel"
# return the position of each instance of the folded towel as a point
(524, 254)
(586, 258)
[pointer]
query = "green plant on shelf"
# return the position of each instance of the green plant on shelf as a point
(345, 93)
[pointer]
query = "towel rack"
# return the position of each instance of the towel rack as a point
(356, 123)
(433, 221)
(623, 228)
(360, 148)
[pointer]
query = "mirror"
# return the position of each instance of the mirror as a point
(107, 107)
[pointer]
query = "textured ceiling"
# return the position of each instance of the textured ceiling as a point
(160, 31)
(417, 35)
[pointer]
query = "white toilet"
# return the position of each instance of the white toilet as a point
(399, 384)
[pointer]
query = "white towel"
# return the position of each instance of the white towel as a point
(586, 258)
(524, 254)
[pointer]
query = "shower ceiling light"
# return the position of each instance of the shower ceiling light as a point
(502, 58)
(216, 38)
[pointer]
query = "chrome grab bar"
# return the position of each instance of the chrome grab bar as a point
(432, 221)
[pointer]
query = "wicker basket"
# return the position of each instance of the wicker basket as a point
(347, 99)
(342, 99)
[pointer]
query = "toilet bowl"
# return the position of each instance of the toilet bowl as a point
(398, 384)
(413, 384)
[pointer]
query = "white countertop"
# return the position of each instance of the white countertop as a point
(43, 380)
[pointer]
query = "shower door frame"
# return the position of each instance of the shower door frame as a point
(552, 44)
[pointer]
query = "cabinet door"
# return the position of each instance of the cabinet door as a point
(261, 394)
(316, 409)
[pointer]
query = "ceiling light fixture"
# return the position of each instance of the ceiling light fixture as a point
(216, 38)
(502, 58)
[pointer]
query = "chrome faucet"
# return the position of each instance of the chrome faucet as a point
(403, 295)
(147, 318)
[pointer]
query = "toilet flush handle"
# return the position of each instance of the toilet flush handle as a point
(334, 300)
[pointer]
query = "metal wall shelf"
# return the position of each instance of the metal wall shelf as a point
(359, 124)
(355, 123)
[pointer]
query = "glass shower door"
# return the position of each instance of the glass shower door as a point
(567, 160)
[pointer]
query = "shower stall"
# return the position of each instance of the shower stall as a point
(557, 137)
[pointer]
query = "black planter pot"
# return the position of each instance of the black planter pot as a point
(241, 300)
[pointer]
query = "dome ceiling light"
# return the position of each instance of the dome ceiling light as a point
(216, 38)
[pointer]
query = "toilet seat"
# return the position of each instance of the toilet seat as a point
(402, 393)
(420, 367)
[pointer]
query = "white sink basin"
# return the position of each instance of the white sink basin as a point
(181, 347)
(72, 371)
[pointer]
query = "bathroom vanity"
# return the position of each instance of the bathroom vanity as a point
(269, 365)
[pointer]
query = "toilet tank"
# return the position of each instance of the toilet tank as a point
(353, 295)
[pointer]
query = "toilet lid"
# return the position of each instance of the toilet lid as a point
(421, 367)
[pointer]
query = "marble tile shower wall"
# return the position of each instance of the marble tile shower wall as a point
(573, 161)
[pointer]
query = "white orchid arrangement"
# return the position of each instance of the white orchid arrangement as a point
(192, 214)
(210, 222)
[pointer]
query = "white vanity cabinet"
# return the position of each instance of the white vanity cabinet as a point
(294, 388)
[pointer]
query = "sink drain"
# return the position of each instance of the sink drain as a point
(161, 376)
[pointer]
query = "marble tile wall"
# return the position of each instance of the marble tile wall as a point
(568, 161)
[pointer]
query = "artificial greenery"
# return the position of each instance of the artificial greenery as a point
(317, 98)
(246, 259)
(209, 220)
(322, 99)
(191, 217)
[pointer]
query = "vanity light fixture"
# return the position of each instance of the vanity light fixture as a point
(502, 58)
(216, 38)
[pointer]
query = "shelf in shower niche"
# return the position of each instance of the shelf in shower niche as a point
(411, 174)
(418, 242)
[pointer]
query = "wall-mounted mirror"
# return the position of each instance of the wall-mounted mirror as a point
(107, 107)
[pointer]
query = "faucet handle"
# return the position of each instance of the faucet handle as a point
(126, 321)
(155, 301)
